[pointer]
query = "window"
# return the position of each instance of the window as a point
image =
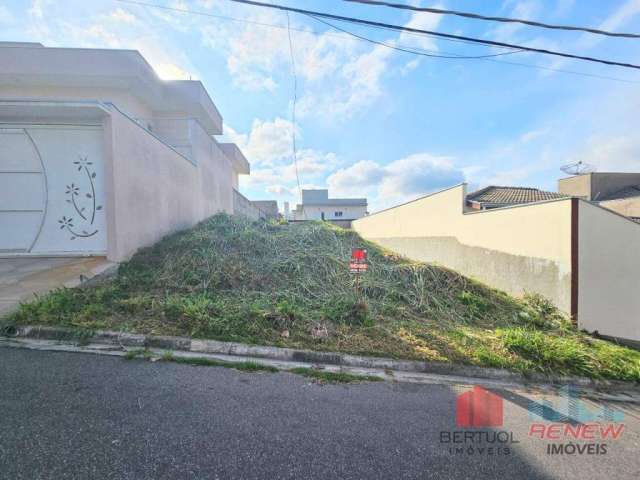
(337, 214)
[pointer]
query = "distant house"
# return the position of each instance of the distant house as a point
(316, 205)
(619, 192)
(99, 156)
(496, 197)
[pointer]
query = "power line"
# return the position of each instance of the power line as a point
(438, 34)
(293, 108)
(476, 16)
(264, 24)
(411, 50)
(312, 32)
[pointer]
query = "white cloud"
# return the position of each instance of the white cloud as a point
(268, 148)
(619, 153)
(280, 190)
(533, 134)
(37, 8)
(266, 143)
(506, 32)
(120, 15)
(338, 75)
(109, 28)
(396, 182)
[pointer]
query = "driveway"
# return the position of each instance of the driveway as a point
(22, 277)
(77, 416)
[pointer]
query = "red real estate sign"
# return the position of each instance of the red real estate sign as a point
(358, 262)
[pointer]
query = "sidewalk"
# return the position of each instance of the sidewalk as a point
(22, 277)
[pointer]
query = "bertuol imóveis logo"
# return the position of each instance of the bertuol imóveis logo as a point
(478, 413)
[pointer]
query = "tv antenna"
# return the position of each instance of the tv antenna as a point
(578, 168)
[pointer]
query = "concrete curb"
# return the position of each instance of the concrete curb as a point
(132, 340)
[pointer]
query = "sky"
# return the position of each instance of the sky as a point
(371, 121)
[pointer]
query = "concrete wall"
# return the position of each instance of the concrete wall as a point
(37, 72)
(629, 207)
(243, 206)
(609, 273)
(577, 186)
(596, 185)
(153, 190)
(134, 107)
(269, 207)
(516, 249)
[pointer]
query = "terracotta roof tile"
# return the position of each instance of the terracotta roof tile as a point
(499, 196)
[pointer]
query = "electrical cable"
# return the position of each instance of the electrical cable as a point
(438, 34)
(519, 64)
(410, 50)
(476, 16)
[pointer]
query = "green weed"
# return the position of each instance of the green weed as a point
(334, 377)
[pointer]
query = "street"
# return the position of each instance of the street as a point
(80, 416)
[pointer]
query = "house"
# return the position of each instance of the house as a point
(316, 205)
(619, 192)
(99, 156)
(581, 256)
(497, 197)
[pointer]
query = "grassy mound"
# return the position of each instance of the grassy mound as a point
(288, 285)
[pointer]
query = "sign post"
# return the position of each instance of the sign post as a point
(357, 265)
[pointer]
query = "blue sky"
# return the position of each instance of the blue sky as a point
(375, 122)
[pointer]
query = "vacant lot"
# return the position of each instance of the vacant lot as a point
(289, 285)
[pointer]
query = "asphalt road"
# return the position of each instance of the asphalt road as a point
(79, 416)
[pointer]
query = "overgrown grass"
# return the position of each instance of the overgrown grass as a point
(334, 377)
(281, 284)
(138, 353)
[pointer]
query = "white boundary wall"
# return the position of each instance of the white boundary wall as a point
(517, 249)
(608, 273)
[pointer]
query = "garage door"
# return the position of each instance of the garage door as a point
(51, 190)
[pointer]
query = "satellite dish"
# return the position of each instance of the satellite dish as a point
(578, 168)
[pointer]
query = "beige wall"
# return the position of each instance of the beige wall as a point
(577, 186)
(629, 207)
(243, 206)
(525, 248)
(597, 185)
(609, 273)
(152, 190)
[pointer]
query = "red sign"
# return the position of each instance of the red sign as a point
(359, 255)
(358, 262)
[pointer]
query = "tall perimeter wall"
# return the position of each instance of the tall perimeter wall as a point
(609, 273)
(516, 249)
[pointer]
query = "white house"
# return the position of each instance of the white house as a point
(98, 156)
(316, 205)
